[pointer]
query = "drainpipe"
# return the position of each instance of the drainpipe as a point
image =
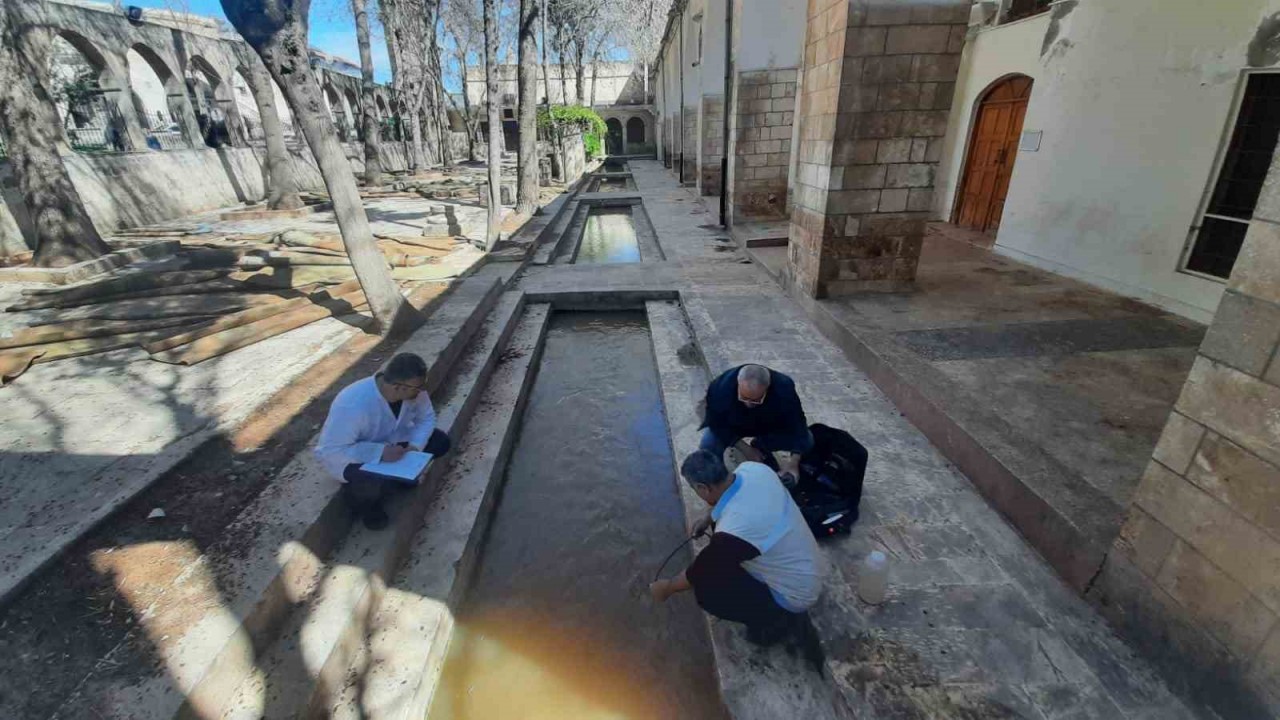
(680, 132)
(728, 92)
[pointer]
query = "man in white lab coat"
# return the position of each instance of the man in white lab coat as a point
(379, 418)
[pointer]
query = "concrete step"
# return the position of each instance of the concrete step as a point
(550, 239)
(393, 671)
(208, 627)
(295, 675)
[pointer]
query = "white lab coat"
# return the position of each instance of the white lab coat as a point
(360, 425)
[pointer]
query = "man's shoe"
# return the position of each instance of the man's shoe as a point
(766, 635)
(375, 518)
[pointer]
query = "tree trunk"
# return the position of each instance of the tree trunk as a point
(495, 122)
(29, 123)
(579, 72)
(564, 85)
(594, 65)
(282, 185)
(437, 88)
(466, 111)
(368, 109)
(278, 33)
(527, 188)
(418, 156)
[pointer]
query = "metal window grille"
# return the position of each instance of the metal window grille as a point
(1019, 9)
(94, 126)
(1244, 168)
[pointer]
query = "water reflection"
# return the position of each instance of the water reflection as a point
(612, 185)
(609, 237)
(558, 623)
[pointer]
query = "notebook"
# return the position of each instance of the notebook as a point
(407, 469)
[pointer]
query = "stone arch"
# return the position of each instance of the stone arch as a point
(334, 102)
(613, 138)
(152, 86)
(636, 132)
(80, 78)
(351, 106)
(211, 97)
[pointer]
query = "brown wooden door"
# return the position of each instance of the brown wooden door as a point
(992, 151)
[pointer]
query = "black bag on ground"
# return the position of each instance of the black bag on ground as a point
(830, 484)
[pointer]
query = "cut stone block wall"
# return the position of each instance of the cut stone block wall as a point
(712, 144)
(667, 155)
(765, 115)
(1194, 578)
(689, 145)
(873, 116)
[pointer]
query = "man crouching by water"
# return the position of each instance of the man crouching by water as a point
(762, 567)
(379, 418)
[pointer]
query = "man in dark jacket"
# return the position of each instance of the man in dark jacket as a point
(752, 401)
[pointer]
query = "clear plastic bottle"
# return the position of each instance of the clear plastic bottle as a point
(874, 579)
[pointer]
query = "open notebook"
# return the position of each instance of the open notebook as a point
(407, 469)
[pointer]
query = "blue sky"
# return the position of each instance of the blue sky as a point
(332, 28)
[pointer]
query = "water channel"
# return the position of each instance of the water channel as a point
(558, 623)
(609, 236)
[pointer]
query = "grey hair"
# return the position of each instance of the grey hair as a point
(754, 375)
(702, 467)
(404, 367)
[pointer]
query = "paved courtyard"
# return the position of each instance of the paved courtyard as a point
(976, 624)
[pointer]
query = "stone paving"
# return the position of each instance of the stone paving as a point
(976, 623)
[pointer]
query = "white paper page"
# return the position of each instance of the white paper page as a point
(407, 469)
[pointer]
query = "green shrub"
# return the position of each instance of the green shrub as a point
(576, 117)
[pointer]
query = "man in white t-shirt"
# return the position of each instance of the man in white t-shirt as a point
(762, 567)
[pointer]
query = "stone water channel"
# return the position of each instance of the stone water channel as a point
(557, 622)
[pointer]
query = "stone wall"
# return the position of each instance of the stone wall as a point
(765, 111)
(689, 145)
(712, 146)
(1194, 578)
(873, 116)
(123, 190)
(667, 155)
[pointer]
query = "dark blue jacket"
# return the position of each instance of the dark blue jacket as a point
(781, 413)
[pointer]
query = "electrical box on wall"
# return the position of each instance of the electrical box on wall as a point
(1030, 140)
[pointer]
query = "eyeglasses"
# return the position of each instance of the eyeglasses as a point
(753, 403)
(415, 388)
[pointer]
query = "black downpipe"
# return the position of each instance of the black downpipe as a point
(680, 131)
(728, 104)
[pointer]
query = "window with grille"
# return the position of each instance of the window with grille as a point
(1225, 221)
(1019, 9)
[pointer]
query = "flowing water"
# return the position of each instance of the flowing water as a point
(612, 185)
(559, 623)
(609, 237)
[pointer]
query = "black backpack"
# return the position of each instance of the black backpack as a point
(830, 484)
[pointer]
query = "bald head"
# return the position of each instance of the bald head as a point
(753, 384)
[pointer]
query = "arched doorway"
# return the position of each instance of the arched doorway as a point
(635, 133)
(79, 80)
(993, 148)
(613, 144)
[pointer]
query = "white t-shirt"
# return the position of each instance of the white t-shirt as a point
(758, 509)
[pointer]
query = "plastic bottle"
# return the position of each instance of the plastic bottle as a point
(874, 579)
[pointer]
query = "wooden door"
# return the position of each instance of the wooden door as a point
(992, 151)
